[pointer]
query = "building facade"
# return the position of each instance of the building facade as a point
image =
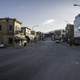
(69, 32)
(77, 29)
(29, 34)
(77, 26)
(59, 34)
(10, 31)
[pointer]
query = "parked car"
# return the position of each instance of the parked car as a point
(57, 41)
(24, 43)
(2, 45)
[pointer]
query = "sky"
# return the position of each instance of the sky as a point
(41, 15)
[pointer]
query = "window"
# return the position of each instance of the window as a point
(10, 27)
(32, 32)
(0, 27)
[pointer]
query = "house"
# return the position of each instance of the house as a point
(29, 34)
(10, 31)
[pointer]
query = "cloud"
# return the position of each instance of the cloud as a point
(49, 22)
(46, 26)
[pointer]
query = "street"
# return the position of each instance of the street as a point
(44, 60)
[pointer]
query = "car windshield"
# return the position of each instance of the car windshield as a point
(39, 39)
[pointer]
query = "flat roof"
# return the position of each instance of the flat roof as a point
(7, 18)
(26, 27)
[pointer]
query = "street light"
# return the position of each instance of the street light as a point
(76, 5)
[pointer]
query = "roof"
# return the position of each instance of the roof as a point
(7, 18)
(26, 28)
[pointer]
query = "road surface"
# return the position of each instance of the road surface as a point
(44, 60)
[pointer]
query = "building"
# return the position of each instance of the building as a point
(38, 35)
(26, 31)
(77, 29)
(77, 26)
(29, 34)
(59, 34)
(63, 35)
(10, 31)
(69, 32)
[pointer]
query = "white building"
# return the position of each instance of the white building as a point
(77, 29)
(77, 26)
(29, 33)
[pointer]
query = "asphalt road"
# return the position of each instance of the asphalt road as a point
(44, 60)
